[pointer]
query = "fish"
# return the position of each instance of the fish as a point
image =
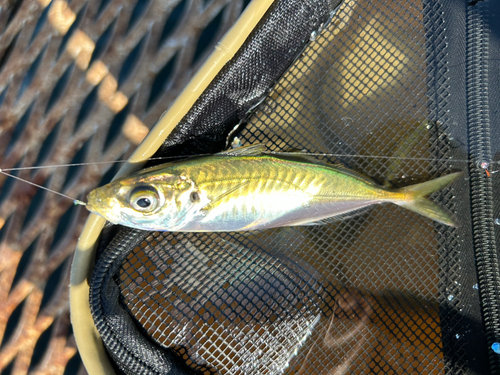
(248, 189)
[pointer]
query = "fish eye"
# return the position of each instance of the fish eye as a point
(144, 199)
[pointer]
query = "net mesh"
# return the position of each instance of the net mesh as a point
(80, 82)
(381, 292)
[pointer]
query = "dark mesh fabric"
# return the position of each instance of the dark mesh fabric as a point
(131, 351)
(248, 78)
(391, 89)
(244, 82)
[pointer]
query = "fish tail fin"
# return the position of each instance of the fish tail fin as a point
(423, 206)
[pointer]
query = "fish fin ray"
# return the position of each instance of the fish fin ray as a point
(425, 188)
(358, 175)
(250, 150)
(425, 206)
(218, 198)
(338, 218)
(431, 210)
(302, 157)
(298, 156)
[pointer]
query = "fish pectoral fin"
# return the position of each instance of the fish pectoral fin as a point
(213, 202)
(250, 150)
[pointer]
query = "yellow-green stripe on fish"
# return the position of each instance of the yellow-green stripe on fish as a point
(244, 189)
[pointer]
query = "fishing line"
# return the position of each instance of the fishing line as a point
(75, 201)
(86, 164)
(480, 164)
(60, 165)
(373, 156)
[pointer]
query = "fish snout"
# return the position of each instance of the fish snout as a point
(95, 200)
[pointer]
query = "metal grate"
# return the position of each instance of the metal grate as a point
(80, 82)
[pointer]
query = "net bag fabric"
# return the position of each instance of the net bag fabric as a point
(269, 51)
(385, 291)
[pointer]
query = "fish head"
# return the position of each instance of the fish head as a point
(157, 203)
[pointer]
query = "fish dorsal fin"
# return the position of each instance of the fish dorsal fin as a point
(251, 150)
(299, 156)
(259, 149)
(303, 157)
(360, 176)
(152, 170)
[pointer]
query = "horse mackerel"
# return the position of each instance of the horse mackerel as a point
(244, 189)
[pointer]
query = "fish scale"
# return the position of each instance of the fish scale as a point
(243, 189)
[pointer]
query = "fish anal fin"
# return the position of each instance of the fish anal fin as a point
(338, 218)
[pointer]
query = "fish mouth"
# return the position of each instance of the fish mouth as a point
(92, 200)
(103, 202)
(96, 202)
(91, 208)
